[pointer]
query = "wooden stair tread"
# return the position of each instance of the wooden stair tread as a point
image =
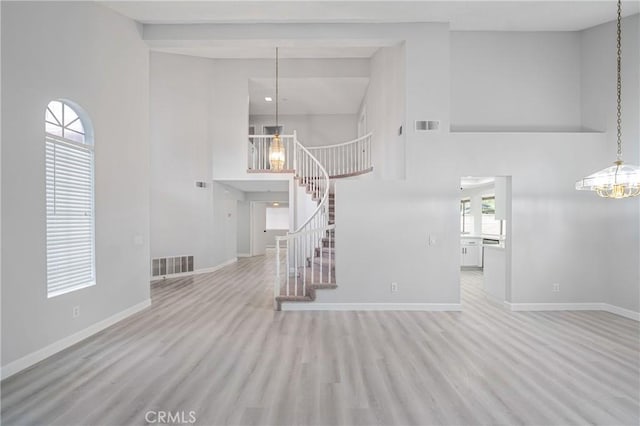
(325, 261)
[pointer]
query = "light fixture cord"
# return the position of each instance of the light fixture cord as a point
(277, 76)
(619, 88)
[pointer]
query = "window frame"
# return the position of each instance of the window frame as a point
(78, 191)
(463, 216)
(483, 214)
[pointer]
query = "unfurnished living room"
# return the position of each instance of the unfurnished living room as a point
(320, 212)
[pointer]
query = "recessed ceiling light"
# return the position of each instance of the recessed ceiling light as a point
(268, 99)
(276, 204)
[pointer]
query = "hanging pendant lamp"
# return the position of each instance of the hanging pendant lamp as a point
(620, 180)
(277, 154)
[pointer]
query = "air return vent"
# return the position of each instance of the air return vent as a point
(163, 266)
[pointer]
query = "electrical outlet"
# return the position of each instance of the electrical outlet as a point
(76, 311)
(394, 287)
(556, 287)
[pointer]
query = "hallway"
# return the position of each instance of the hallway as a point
(213, 344)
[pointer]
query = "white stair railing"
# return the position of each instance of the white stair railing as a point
(304, 257)
(258, 153)
(345, 159)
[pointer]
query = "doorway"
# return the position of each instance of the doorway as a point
(269, 219)
(485, 217)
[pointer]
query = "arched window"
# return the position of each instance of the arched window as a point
(69, 198)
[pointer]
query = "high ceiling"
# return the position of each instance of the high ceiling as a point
(468, 15)
(308, 95)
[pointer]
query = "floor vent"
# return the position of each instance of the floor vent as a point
(171, 265)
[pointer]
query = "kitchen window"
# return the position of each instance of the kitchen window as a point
(491, 225)
(466, 218)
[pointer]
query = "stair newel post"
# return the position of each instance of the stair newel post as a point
(276, 287)
(288, 264)
(304, 269)
(329, 274)
(313, 256)
(295, 266)
(369, 144)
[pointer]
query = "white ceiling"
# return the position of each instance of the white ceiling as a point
(301, 96)
(248, 185)
(505, 15)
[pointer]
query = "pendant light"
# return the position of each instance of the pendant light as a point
(620, 180)
(276, 149)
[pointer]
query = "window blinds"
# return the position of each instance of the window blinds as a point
(70, 216)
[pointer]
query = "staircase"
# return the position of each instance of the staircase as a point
(318, 270)
(306, 258)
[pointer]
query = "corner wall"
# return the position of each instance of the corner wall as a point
(91, 55)
(516, 81)
(384, 105)
(186, 220)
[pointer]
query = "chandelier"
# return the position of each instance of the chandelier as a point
(277, 154)
(620, 180)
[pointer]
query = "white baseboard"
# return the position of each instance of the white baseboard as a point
(554, 306)
(427, 307)
(244, 254)
(574, 307)
(197, 271)
(617, 310)
(37, 356)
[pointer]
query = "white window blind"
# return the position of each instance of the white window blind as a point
(70, 215)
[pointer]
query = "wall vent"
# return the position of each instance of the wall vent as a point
(164, 266)
(427, 125)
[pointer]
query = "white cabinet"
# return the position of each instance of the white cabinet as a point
(471, 252)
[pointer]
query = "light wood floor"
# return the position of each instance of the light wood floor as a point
(213, 344)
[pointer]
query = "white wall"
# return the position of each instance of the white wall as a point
(558, 234)
(556, 231)
(244, 228)
(186, 220)
(384, 104)
(181, 214)
(622, 283)
(244, 216)
(225, 224)
(381, 237)
(515, 81)
(312, 130)
(95, 57)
